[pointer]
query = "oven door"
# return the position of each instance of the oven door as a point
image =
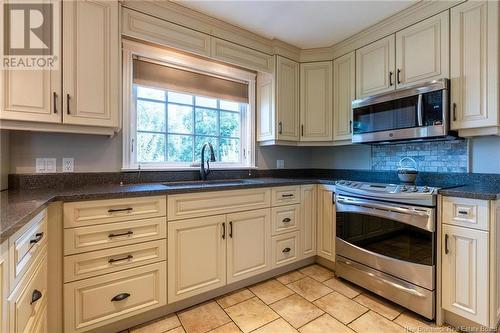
(395, 239)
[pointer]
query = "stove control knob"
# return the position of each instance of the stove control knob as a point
(341, 182)
(426, 189)
(404, 188)
(348, 183)
(414, 188)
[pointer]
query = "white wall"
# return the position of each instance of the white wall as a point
(342, 157)
(485, 154)
(94, 153)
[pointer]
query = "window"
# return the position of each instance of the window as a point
(177, 103)
(172, 127)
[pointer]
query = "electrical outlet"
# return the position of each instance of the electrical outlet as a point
(50, 165)
(40, 165)
(280, 164)
(68, 164)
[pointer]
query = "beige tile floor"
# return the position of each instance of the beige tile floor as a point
(310, 300)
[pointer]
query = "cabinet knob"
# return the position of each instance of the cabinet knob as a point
(286, 220)
(286, 250)
(38, 237)
(35, 296)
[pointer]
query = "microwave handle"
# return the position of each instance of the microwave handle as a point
(419, 111)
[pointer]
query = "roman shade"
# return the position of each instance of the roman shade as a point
(161, 76)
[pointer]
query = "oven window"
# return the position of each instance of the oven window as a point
(386, 237)
(392, 115)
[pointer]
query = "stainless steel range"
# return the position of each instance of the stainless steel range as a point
(386, 241)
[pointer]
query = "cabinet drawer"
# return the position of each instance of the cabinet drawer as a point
(29, 298)
(97, 237)
(183, 206)
(25, 246)
(105, 299)
(470, 213)
(285, 195)
(242, 56)
(285, 249)
(85, 265)
(84, 213)
(285, 219)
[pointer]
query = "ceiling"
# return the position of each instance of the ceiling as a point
(305, 24)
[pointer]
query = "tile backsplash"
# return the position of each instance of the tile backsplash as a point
(435, 156)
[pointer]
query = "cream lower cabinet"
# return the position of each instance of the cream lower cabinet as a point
(326, 223)
(248, 244)
(308, 210)
(475, 68)
(4, 286)
(209, 252)
(465, 272)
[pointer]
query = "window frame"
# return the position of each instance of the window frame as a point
(169, 57)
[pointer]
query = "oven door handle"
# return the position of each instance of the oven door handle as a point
(420, 116)
(366, 204)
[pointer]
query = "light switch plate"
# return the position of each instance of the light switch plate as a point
(280, 164)
(50, 165)
(68, 164)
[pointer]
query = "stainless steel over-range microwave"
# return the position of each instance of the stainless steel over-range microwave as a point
(419, 112)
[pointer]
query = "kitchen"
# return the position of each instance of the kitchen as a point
(174, 167)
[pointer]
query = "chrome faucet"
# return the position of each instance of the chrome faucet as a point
(204, 172)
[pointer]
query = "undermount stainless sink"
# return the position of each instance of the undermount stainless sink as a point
(210, 183)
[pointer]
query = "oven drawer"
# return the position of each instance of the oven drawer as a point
(112, 297)
(86, 265)
(285, 249)
(85, 213)
(285, 195)
(97, 237)
(464, 212)
(285, 219)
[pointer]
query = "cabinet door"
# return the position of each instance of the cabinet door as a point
(196, 256)
(316, 101)
(326, 223)
(344, 92)
(375, 66)
(474, 64)
(4, 286)
(266, 117)
(32, 95)
(248, 244)
(422, 51)
(465, 271)
(308, 220)
(287, 98)
(91, 63)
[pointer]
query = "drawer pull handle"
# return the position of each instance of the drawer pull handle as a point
(286, 220)
(128, 233)
(38, 237)
(120, 297)
(286, 250)
(231, 229)
(224, 230)
(463, 212)
(37, 294)
(129, 209)
(287, 195)
(112, 260)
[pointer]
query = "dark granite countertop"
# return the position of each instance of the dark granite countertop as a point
(18, 207)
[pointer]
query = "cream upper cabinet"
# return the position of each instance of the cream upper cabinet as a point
(248, 244)
(287, 99)
(326, 223)
(422, 51)
(375, 67)
(241, 56)
(308, 211)
(196, 256)
(91, 63)
(465, 290)
(474, 67)
(32, 95)
(316, 101)
(344, 92)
